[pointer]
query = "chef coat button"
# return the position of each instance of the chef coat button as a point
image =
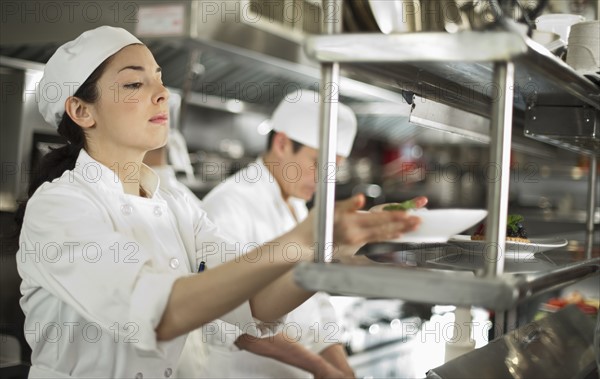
(174, 263)
(168, 372)
(139, 375)
(157, 211)
(126, 209)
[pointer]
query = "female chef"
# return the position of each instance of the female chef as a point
(106, 260)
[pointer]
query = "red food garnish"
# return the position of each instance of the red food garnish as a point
(480, 230)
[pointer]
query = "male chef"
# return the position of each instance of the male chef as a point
(265, 200)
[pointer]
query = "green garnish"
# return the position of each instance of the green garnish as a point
(403, 206)
(512, 222)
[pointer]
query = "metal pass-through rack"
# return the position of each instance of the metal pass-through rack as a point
(500, 75)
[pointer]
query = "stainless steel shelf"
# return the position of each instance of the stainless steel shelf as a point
(466, 46)
(438, 286)
(461, 60)
(459, 72)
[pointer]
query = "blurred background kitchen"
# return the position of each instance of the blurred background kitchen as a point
(231, 62)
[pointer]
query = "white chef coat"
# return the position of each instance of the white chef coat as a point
(193, 355)
(98, 265)
(170, 184)
(250, 208)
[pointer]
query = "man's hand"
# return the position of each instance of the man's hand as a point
(280, 348)
(335, 356)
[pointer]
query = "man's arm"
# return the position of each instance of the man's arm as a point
(290, 352)
(337, 357)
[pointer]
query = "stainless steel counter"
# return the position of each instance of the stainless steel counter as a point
(558, 346)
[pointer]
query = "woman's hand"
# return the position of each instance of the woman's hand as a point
(354, 227)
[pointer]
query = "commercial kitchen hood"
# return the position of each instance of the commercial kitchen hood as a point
(233, 55)
(220, 51)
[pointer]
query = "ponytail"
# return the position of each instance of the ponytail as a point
(62, 159)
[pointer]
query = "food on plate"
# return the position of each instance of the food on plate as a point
(515, 231)
(403, 206)
(587, 306)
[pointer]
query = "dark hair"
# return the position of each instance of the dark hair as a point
(61, 159)
(296, 146)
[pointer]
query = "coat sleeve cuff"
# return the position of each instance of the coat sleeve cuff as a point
(224, 332)
(148, 302)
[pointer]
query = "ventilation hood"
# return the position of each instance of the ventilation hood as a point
(232, 55)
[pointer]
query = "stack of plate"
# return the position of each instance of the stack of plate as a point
(584, 49)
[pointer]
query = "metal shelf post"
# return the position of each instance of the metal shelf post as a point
(325, 196)
(501, 132)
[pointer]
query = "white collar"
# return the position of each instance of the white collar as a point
(93, 171)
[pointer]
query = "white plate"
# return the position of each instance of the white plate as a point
(537, 245)
(440, 224)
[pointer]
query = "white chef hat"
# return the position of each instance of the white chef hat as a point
(298, 117)
(73, 63)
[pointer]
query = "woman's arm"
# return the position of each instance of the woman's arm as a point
(351, 230)
(199, 299)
